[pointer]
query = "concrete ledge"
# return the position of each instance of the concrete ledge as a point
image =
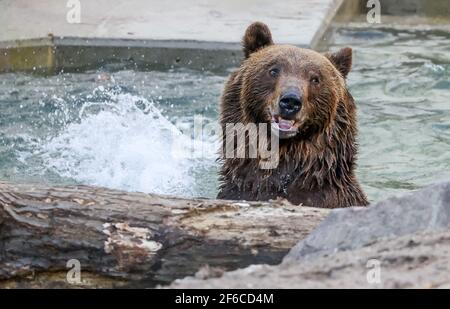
(28, 58)
(152, 34)
(419, 8)
(434, 8)
(149, 33)
(53, 54)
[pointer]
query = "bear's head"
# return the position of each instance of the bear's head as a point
(296, 90)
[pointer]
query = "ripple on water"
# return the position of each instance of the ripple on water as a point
(115, 128)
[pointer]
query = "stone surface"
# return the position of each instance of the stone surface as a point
(37, 37)
(420, 260)
(297, 22)
(408, 237)
(345, 229)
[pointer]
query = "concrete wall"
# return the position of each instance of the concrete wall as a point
(207, 39)
(427, 8)
(201, 34)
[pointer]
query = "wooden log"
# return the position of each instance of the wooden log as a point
(123, 239)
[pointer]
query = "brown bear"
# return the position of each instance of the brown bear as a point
(302, 95)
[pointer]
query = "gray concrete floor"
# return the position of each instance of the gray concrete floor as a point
(299, 22)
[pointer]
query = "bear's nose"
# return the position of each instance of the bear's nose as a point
(290, 104)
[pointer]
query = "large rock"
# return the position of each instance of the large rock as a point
(407, 237)
(350, 228)
(420, 260)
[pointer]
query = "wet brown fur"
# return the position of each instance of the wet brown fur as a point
(316, 167)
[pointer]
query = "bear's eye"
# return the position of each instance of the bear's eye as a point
(315, 80)
(274, 72)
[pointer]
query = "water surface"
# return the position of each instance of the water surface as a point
(118, 129)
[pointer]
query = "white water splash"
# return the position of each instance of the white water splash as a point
(124, 147)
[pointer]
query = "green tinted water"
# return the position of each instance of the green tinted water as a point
(116, 129)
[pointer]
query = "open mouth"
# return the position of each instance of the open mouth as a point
(284, 128)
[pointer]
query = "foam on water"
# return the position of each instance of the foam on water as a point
(127, 145)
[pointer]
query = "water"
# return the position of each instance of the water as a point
(110, 129)
(401, 82)
(117, 129)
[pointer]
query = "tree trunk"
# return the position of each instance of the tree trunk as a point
(123, 239)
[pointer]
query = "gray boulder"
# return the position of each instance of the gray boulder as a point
(351, 228)
(420, 260)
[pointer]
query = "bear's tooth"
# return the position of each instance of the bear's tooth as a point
(285, 124)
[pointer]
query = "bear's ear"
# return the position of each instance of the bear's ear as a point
(256, 36)
(342, 60)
